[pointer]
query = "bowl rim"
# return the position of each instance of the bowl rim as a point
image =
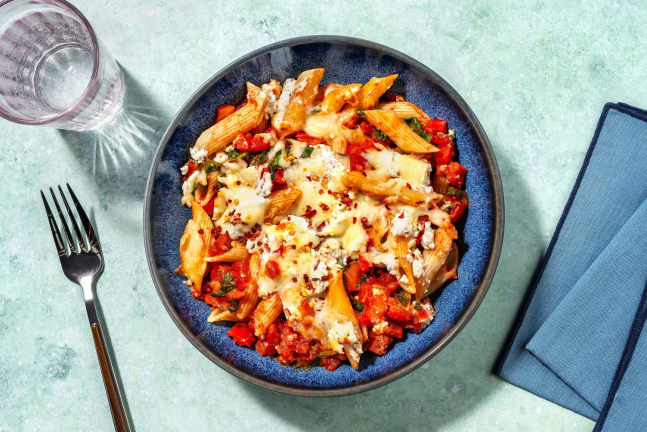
(481, 289)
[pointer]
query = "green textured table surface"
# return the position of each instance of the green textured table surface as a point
(536, 75)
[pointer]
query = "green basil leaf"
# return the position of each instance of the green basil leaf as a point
(357, 305)
(415, 126)
(307, 152)
(213, 166)
(234, 305)
(379, 135)
(235, 154)
(259, 158)
(227, 284)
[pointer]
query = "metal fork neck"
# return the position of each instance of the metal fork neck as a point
(88, 284)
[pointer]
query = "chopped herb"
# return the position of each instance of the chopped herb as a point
(235, 154)
(415, 126)
(446, 207)
(379, 135)
(357, 305)
(274, 164)
(220, 185)
(458, 193)
(234, 305)
(259, 158)
(360, 112)
(308, 366)
(227, 284)
(307, 152)
(402, 297)
(340, 263)
(417, 306)
(363, 278)
(213, 166)
(288, 151)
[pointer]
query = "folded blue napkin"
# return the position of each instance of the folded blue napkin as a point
(578, 341)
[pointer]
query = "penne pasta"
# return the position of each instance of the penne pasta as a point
(404, 110)
(388, 189)
(280, 201)
(401, 134)
(221, 315)
(247, 304)
(447, 272)
(337, 98)
(293, 117)
(267, 311)
(372, 91)
(435, 258)
(238, 253)
(241, 121)
(402, 250)
(194, 244)
(340, 311)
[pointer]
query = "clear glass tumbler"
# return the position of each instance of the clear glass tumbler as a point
(54, 71)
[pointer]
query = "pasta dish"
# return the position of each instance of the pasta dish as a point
(322, 218)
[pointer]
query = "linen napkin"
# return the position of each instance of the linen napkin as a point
(578, 340)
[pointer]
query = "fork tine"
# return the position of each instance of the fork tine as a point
(58, 240)
(77, 231)
(68, 234)
(87, 225)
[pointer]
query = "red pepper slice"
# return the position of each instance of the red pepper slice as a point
(225, 111)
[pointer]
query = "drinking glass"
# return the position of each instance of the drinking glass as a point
(54, 71)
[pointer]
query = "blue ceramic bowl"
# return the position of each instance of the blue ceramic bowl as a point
(346, 60)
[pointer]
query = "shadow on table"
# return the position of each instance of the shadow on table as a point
(117, 157)
(451, 384)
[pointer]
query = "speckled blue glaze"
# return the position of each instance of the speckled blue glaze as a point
(344, 63)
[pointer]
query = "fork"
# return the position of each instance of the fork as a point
(82, 263)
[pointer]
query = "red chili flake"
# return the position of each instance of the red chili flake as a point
(409, 186)
(364, 174)
(228, 201)
(324, 207)
(387, 206)
(401, 216)
(355, 206)
(309, 244)
(369, 243)
(294, 279)
(309, 178)
(293, 246)
(200, 231)
(354, 219)
(330, 192)
(321, 191)
(325, 277)
(310, 212)
(306, 278)
(238, 182)
(321, 226)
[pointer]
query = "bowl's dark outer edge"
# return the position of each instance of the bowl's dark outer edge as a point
(481, 290)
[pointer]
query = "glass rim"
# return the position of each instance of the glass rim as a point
(92, 85)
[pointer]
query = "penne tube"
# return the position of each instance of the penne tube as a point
(267, 311)
(402, 250)
(370, 93)
(436, 257)
(280, 201)
(238, 253)
(221, 315)
(388, 189)
(247, 304)
(401, 134)
(205, 193)
(337, 98)
(293, 117)
(447, 271)
(194, 245)
(243, 120)
(404, 110)
(339, 313)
